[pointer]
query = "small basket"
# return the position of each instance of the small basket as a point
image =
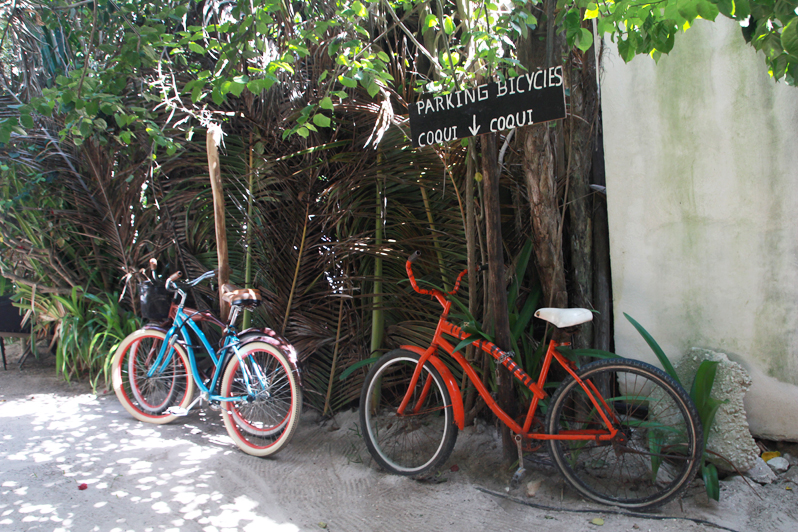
(156, 301)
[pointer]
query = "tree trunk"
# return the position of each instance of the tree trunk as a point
(582, 134)
(541, 187)
(496, 287)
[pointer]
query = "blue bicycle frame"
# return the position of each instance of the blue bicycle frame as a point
(231, 341)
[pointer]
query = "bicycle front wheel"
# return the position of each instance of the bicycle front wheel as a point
(148, 398)
(420, 439)
(266, 415)
(658, 446)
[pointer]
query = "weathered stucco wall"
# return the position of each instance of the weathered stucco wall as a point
(702, 184)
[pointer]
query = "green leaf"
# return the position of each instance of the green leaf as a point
(196, 48)
(347, 82)
(710, 475)
(663, 358)
(359, 9)
(707, 10)
(688, 9)
(448, 25)
(526, 314)
(465, 343)
(321, 120)
(27, 121)
(430, 21)
(303, 132)
(326, 103)
(789, 37)
(584, 39)
(726, 7)
(357, 365)
(237, 88)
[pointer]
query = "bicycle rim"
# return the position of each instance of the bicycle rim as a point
(264, 420)
(149, 397)
(657, 450)
(423, 437)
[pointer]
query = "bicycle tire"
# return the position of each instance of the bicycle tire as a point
(149, 398)
(664, 437)
(412, 444)
(263, 424)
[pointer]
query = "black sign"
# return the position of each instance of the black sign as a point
(530, 98)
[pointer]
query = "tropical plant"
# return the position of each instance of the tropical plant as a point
(700, 393)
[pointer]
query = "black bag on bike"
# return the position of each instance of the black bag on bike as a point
(155, 301)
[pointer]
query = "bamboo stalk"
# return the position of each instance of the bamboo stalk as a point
(248, 236)
(296, 271)
(335, 358)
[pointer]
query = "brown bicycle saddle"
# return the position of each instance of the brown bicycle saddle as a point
(244, 297)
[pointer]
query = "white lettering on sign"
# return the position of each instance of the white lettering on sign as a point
(437, 136)
(537, 80)
(512, 121)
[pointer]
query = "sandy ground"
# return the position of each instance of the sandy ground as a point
(188, 475)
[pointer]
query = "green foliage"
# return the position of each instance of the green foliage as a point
(700, 393)
(651, 27)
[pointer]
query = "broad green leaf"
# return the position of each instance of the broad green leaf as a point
(431, 21)
(663, 358)
(448, 25)
(326, 103)
(303, 132)
(789, 37)
(707, 10)
(688, 9)
(359, 9)
(726, 7)
(27, 121)
(321, 120)
(584, 39)
(196, 48)
(237, 88)
(347, 82)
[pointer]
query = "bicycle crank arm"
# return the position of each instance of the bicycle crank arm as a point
(180, 411)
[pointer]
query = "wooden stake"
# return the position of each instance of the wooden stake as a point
(212, 142)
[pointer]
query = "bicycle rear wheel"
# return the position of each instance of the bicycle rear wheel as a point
(261, 422)
(423, 437)
(658, 447)
(148, 398)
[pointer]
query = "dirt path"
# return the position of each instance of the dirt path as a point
(189, 476)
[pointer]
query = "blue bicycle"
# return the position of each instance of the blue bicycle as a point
(252, 377)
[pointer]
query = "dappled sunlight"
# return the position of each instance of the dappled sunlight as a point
(64, 459)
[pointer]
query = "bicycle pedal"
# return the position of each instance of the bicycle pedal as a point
(177, 411)
(215, 406)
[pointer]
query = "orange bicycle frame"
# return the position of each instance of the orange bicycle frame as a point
(501, 357)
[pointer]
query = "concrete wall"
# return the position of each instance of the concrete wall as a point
(702, 184)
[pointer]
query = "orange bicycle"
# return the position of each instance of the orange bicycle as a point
(620, 431)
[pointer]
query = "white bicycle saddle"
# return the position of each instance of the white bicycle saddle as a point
(564, 317)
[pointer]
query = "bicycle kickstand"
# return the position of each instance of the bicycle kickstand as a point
(519, 473)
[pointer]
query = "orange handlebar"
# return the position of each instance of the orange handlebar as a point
(433, 292)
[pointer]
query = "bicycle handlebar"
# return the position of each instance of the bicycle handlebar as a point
(175, 276)
(434, 292)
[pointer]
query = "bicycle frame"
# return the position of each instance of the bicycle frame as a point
(501, 357)
(180, 323)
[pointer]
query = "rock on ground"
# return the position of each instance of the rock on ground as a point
(729, 436)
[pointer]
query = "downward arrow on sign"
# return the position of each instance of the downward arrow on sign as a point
(475, 128)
